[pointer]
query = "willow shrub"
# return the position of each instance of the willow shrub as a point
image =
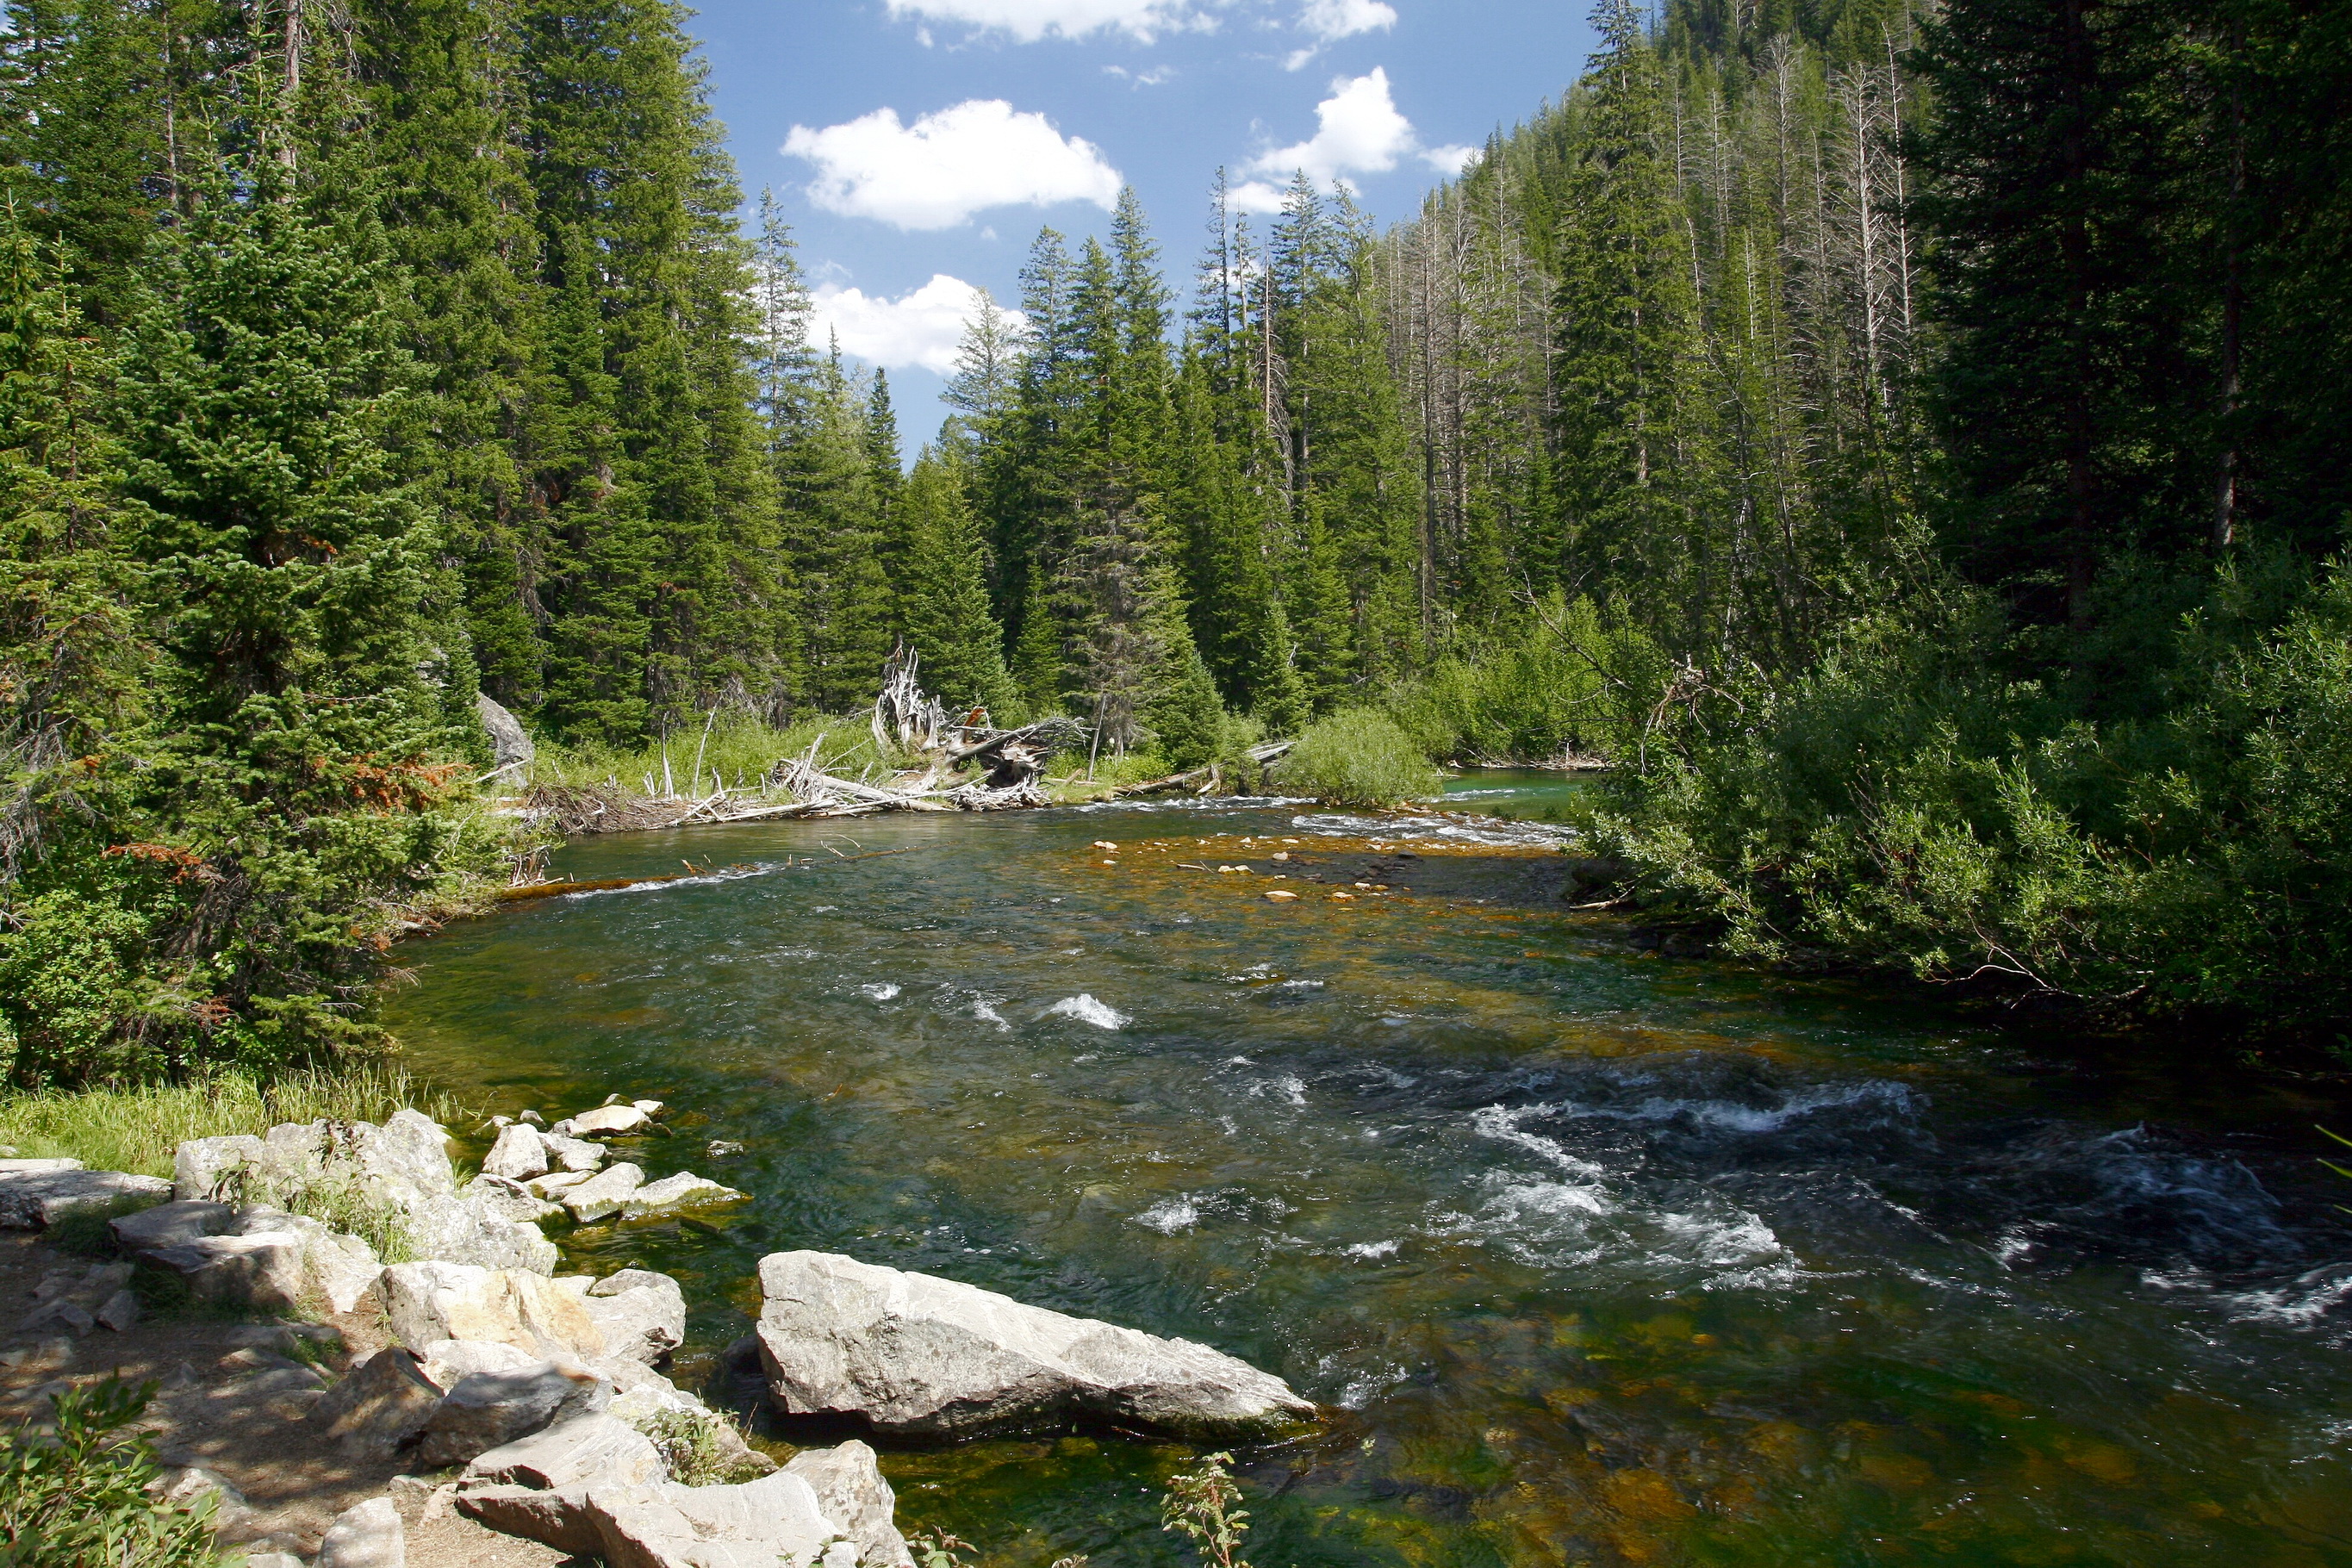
(1358, 757)
(1568, 678)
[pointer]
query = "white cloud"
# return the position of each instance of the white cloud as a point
(923, 328)
(938, 172)
(1256, 197)
(1157, 76)
(1360, 133)
(1333, 19)
(1029, 20)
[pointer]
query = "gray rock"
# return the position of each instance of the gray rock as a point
(15, 1167)
(54, 1354)
(850, 1488)
(257, 1273)
(556, 1185)
(368, 1536)
(272, 1559)
(684, 1191)
(593, 1448)
(641, 1314)
(509, 742)
(282, 1338)
(380, 1406)
(337, 1268)
(519, 1155)
(118, 1312)
(448, 1360)
(188, 1488)
(171, 1225)
(433, 1300)
(923, 1356)
(498, 1240)
(606, 1193)
(605, 1122)
(558, 1518)
(774, 1519)
(207, 1168)
(574, 1154)
(64, 1314)
(488, 1410)
(509, 1199)
(35, 1200)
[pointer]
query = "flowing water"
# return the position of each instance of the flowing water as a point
(1594, 1257)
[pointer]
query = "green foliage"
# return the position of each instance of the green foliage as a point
(1204, 1507)
(691, 1446)
(75, 1495)
(1360, 757)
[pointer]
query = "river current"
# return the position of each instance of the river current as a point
(1594, 1256)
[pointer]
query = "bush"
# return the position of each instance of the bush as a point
(1360, 757)
(77, 1496)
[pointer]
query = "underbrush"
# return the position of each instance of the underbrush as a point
(75, 1494)
(138, 1127)
(1358, 757)
(737, 752)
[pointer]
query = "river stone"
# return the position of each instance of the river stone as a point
(554, 1187)
(775, 1520)
(641, 1314)
(509, 1199)
(368, 1536)
(171, 1225)
(487, 1410)
(510, 746)
(605, 1122)
(850, 1488)
(519, 1155)
(35, 1200)
(380, 1406)
(591, 1448)
(433, 1300)
(261, 1273)
(684, 1191)
(574, 1154)
(917, 1355)
(606, 1193)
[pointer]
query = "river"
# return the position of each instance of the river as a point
(1596, 1257)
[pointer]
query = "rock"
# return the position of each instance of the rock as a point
(518, 1155)
(641, 1314)
(283, 1337)
(592, 1448)
(684, 1191)
(336, 1267)
(850, 1489)
(61, 1313)
(380, 1405)
(533, 1117)
(259, 1273)
(35, 1200)
(186, 1487)
(501, 1241)
(652, 1108)
(272, 1559)
(13, 1167)
(207, 1168)
(509, 1200)
(448, 1360)
(722, 1149)
(574, 1154)
(171, 1225)
(922, 1356)
(488, 1410)
(776, 1519)
(605, 1121)
(555, 1187)
(557, 1519)
(412, 1495)
(119, 1312)
(368, 1536)
(511, 744)
(433, 1300)
(604, 1193)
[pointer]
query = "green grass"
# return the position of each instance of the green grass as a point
(1358, 757)
(138, 1128)
(742, 751)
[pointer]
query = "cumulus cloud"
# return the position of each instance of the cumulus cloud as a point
(1331, 20)
(922, 328)
(1360, 131)
(938, 172)
(1029, 20)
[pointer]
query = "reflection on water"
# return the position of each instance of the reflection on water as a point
(1596, 1258)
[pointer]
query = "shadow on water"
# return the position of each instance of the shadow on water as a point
(1595, 1257)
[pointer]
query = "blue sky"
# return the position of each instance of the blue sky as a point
(917, 146)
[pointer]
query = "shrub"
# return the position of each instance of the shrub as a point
(76, 1495)
(1358, 757)
(693, 1450)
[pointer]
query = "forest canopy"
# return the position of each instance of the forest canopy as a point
(1907, 443)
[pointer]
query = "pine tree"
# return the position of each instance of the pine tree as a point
(944, 590)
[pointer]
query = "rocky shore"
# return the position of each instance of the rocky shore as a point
(365, 1362)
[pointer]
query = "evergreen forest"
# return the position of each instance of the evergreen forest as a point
(1907, 442)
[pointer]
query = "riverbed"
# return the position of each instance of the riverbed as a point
(1595, 1257)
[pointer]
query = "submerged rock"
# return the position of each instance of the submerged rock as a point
(923, 1356)
(684, 1191)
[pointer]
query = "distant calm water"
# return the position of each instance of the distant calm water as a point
(1597, 1258)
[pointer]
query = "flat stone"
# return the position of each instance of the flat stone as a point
(605, 1121)
(641, 1314)
(606, 1193)
(206, 1168)
(684, 1191)
(555, 1187)
(13, 1167)
(174, 1223)
(558, 1518)
(427, 1301)
(519, 1155)
(509, 1199)
(257, 1273)
(652, 1108)
(775, 1520)
(368, 1536)
(488, 1410)
(379, 1407)
(118, 1312)
(917, 1355)
(448, 1360)
(60, 1314)
(35, 1200)
(573, 1155)
(850, 1489)
(592, 1448)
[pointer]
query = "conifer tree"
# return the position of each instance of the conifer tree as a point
(944, 590)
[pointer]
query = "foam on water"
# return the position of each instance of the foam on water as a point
(1085, 1009)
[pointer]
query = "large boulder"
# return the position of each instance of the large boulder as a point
(777, 1522)
(558, 1518)
(604, 1193)
(519, 1155)
(378, 1407)
(921, 1356)
(487, 1410)
(511, 744)
(35, 1200)
(850, 1488)
(590, 1448)
(261, 1272)
(339, 1270)
(171, 1225)
(641, 1314)
(433, 1300)
(448, 1360)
